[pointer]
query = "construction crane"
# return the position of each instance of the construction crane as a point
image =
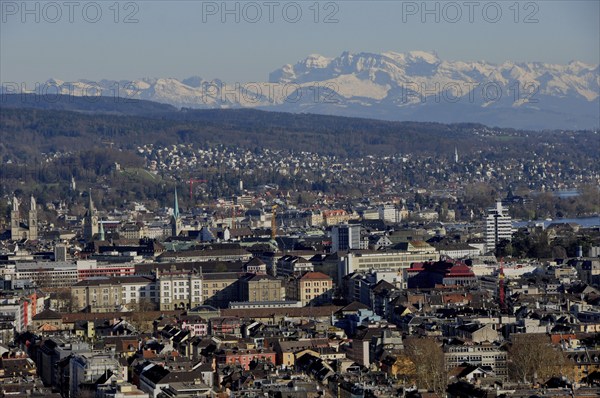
(191, 182)
(273, 222)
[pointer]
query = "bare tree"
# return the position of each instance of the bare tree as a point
(428, 357)
(145, 305)
(43, 279)
(405, 369)
(532, 358)
(141, 321)
(66, 301)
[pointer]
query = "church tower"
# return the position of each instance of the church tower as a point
(90, 227)
(33, 221)
(101, 230)
(176, 225)
(15, 220)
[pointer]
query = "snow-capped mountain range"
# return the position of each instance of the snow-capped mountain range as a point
(416, 86)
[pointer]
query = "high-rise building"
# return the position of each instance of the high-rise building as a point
(61, 253)
(389, 213)
(498, 226)
(345, 237)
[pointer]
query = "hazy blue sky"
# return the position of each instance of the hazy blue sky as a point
(184, 38)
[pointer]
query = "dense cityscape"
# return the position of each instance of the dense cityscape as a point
(299, 199)
(388, 289)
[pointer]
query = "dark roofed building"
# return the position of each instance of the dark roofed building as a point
(47, 318)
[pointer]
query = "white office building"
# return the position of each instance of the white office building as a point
(389, 213)
(498, 226)
(345, 237)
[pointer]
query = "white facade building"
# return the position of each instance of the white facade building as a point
(389, 213)
(87, 368)
(179, 289)
(498, 226)
(345, 237)
(382, 261)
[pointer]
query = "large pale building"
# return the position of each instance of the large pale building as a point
(484, 355)
(334, 217)
(107, 294)
(498, 226)
(220, 288)
(261, 288)
(310, 288)
(54, 274)
(366, 260)
(180, 289)
(288, 265)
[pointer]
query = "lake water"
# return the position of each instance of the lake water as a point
(566, 193)
(563, 193)
(585, 222)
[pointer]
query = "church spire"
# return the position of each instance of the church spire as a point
(176, 225)
(101, 228)
(176, 206)
(91, 203)
(90, 220)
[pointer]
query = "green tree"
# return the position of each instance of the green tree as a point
(504, 248)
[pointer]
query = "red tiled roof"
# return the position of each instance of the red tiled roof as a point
(148, 354)
(557, 338)
(302, 312)
(330, 213)
(315, 275)
(90, 316)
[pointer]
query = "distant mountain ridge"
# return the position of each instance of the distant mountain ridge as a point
(416, 86)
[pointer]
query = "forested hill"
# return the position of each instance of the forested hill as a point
(30, 126)
(92, 105)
